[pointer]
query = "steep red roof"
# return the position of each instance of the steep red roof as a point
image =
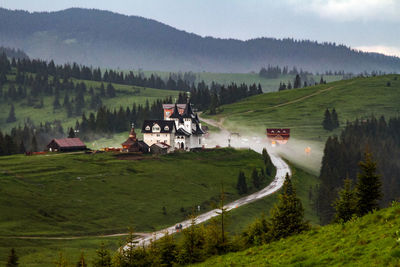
(70, 142)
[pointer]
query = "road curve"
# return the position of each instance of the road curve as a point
(281, 169)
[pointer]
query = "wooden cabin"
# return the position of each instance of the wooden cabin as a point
(66, 145)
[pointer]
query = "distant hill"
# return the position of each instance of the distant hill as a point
(102, 38)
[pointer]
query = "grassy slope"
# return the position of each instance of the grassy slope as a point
(43, 196)
(60, 194)
(368, 241)
(126, 96)
(302, 110)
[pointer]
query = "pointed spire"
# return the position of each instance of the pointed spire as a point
(175, 114)
(187, 113)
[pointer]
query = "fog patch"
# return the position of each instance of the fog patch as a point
(306, 154)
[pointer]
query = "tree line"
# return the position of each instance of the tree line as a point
(342, 155)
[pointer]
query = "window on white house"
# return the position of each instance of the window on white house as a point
(147, 128)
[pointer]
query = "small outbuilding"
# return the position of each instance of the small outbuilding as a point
(132, 144)
(159, 148)
(66, 145)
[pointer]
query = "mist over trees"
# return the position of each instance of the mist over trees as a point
(84, 36)
(342, 156)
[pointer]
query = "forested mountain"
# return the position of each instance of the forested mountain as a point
(106, 39)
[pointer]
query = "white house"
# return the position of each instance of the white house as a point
(180, 129)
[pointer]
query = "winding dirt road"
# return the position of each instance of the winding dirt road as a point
(281, 169)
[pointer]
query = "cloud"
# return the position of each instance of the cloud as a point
(386, 50)
(352, 10)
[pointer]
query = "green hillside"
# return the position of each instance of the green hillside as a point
(59, 194)
(373, 240)
(126, 96)
(302, 110)
(89, 195)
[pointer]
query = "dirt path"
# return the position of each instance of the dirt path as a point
(302, 98)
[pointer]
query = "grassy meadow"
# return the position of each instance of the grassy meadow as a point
(302, 110)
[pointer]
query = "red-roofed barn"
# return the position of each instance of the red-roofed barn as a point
(66, 145)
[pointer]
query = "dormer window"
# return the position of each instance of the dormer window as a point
(166, 128)
(147, 128)
(156, 128)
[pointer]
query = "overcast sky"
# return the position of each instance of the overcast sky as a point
(369, 25)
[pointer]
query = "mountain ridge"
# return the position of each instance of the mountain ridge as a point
(107, 39)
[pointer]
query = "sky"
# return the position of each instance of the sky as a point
(368, 25)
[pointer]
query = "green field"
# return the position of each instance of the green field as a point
(372, 240)
(68, 195)
(35, 204)
(302, 110)
(59, 194)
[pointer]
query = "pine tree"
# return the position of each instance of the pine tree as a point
(34, 145)
(12, 259)
(71, 133)
(327, 122)
(368, 189)
(346, 204)
(241, 185)
(335, 119)
(81, 262)
(11, 116)
(191, 246)
(287, 217)
(297, 82)
(61, 261)
(255, 178)
(167, 250)
(103, 257)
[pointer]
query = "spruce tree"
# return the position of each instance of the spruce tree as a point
(191, 246)
(368, 189)
(346, 203)
(34, 145)
(241, 185)
(61, 261)
(167, 250)
(12, 260)
(11, 116)
(287, 217)
(81, 262)
(297, 82)
(255, 178)
(71, 133)
(327, 122)
(335, 119)
(103, 257)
